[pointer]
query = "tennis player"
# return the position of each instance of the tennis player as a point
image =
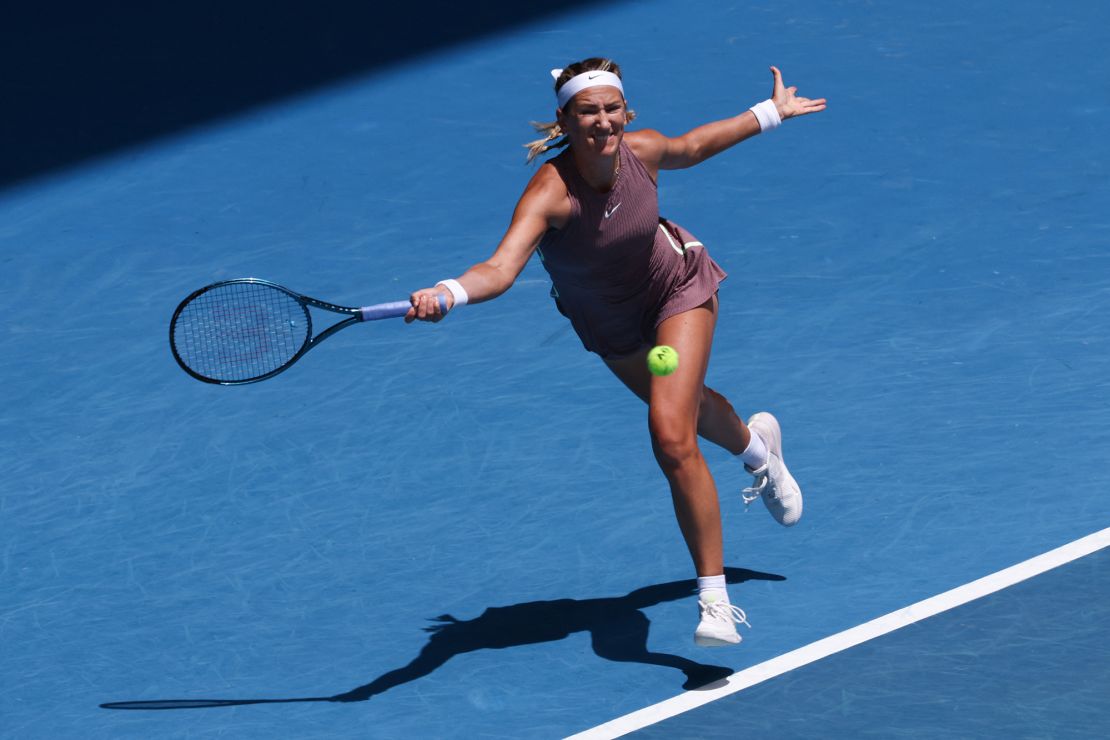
(628, 280)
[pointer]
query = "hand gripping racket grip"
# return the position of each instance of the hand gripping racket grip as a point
(393, 310)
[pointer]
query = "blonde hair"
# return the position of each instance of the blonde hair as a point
(553, 136)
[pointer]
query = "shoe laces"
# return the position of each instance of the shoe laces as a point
(724, 611)
(761, 486)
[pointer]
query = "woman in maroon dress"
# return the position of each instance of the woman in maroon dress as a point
(629, 280)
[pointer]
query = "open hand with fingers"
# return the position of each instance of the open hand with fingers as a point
(789, 103)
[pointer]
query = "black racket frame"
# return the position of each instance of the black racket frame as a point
(354, 316)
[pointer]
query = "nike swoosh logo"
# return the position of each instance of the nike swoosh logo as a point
(590, 77)
(609, 213)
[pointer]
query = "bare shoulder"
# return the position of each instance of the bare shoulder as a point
(547, 179)
(647, 144)
(546, 195)
(650, 147)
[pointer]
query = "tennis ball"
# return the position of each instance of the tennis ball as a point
(662, 360)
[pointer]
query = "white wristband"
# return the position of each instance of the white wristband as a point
(458, 291)
(767, 115)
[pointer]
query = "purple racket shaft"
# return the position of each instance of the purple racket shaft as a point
(394, 310)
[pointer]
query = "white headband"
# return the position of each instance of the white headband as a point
(578, 83)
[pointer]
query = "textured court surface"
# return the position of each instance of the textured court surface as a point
(919, 288)
(1030, 661)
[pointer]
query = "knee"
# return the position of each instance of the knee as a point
(674, 445)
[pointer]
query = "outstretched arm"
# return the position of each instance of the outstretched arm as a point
(661, 152)
(541, 207)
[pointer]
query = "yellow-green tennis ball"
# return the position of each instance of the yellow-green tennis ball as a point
(662, 360)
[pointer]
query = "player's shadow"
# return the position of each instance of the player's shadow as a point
(617, 625)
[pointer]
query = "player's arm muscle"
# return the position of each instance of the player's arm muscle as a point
(661, 152)
(539, 209)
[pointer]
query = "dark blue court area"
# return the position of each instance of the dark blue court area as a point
(459, 530)
(1030, 661)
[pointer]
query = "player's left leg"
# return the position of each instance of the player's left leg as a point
(674, 404)
(673, 408)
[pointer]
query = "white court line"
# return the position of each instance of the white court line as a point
(850, 638)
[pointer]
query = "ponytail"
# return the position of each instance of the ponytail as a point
(551, 131)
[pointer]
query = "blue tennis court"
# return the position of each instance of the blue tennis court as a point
(1029, 661)
(459, 530)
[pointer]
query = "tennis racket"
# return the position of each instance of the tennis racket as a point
(246, 330)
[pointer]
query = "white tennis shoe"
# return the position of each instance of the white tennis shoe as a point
(773, 482)
(718, 622)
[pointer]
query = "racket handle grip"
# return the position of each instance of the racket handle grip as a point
(394, 310)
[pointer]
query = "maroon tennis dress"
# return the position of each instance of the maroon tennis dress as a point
(618, 269)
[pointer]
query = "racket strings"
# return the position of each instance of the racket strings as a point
(240, 331)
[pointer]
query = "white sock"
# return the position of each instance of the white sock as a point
(755, 457)
(713, 588)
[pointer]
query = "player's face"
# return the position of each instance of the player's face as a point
(594, 120)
